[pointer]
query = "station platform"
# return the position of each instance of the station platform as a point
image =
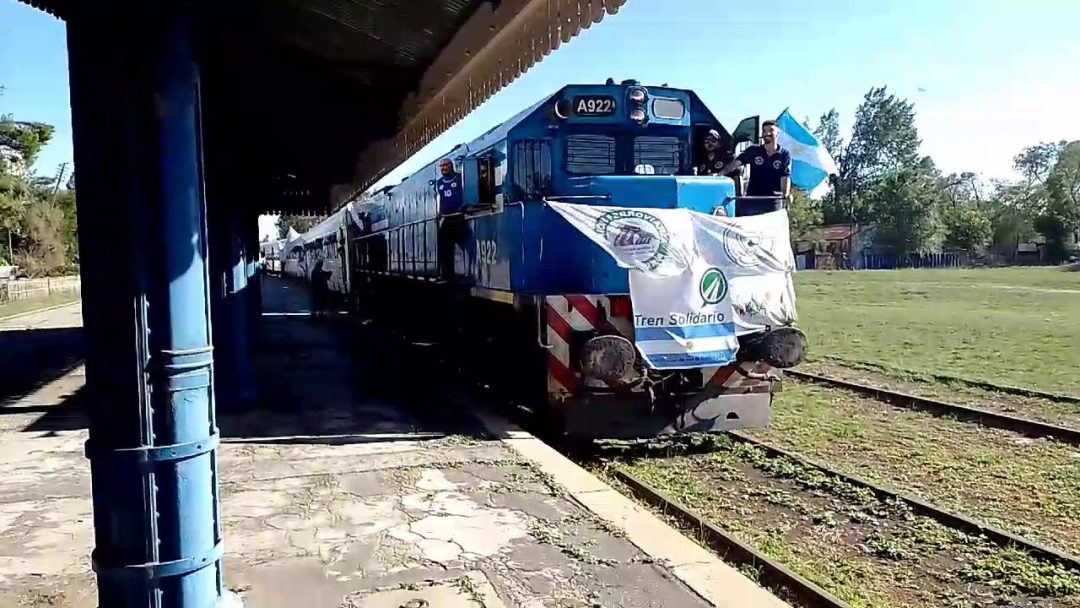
(351, 482)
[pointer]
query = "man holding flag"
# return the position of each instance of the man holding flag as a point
(770, 173)
(773, 168)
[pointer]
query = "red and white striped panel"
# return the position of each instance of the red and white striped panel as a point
(570, 313)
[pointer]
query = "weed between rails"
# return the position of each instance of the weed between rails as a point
(869, 552)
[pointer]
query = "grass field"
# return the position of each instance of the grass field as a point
(1018, 326)
(19, 307)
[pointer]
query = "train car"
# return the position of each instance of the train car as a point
(516, 295)
(326, 241)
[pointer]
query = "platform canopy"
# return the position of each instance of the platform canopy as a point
(308, 102)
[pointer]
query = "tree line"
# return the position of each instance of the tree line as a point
(914, 207)
(37, 213)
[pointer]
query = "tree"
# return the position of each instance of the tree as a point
(906, 207)
(1061, 218)
(883, 142)
(803, 215)
(1012, 208)
(25, 138)
(884, 138)
(42, 248)
(1035, 162)
(37, 219)
(299, 223)
(966, 227)
(828, 133)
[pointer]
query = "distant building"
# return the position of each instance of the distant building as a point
(833, 246)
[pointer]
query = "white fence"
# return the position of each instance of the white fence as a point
(37, 289)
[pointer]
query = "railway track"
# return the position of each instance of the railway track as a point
(784, 580)
(980, 384)
(773, 574)
(917, 505)
(1009, 422)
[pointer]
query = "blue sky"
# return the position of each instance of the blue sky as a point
(987, 77)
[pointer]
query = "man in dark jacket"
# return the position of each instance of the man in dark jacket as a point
(320, 289)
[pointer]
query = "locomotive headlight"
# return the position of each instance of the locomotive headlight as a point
(637, 115)
(638, 95)
(609, 358)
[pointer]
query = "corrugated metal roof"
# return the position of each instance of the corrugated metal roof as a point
(492, 49)
(372, 80)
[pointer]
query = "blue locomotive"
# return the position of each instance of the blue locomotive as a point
(516, 293)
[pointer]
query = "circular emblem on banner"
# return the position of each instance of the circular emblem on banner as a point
(744, 249)
(638, 235)
(713, 286)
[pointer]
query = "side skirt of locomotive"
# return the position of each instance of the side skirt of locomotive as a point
(527, 351)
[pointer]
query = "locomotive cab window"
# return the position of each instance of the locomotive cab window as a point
(532, 170)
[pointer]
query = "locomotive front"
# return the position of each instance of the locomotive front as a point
(628, 155)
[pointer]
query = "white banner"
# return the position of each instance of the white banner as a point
(697, 281)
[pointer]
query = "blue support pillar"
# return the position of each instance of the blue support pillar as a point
(149, 365)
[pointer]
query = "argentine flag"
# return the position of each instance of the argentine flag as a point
(810, 161)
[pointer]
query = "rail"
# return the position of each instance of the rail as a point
(1008, 422)
(949, 378)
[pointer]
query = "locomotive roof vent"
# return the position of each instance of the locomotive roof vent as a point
(610, 81)
(630, 83)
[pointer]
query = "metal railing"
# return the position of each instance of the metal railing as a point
(38, 289)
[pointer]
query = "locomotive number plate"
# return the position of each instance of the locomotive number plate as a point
(594, 105)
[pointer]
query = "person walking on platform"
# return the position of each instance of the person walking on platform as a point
(770, 173)
(320, 290)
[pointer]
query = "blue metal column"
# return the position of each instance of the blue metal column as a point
(153, 432)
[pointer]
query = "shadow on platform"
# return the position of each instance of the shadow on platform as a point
(319, 381)
(32, 358)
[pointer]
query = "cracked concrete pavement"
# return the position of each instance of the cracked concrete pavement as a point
(341, 521)
(333, 495)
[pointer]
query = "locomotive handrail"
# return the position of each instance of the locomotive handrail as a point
(540, 327)
(778, 198)
(575, 197)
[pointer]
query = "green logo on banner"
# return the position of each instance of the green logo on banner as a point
(713, 286)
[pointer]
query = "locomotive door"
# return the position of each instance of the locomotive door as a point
(486, 181)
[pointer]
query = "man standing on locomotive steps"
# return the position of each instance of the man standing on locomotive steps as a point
(448, 191)
(770, 172)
